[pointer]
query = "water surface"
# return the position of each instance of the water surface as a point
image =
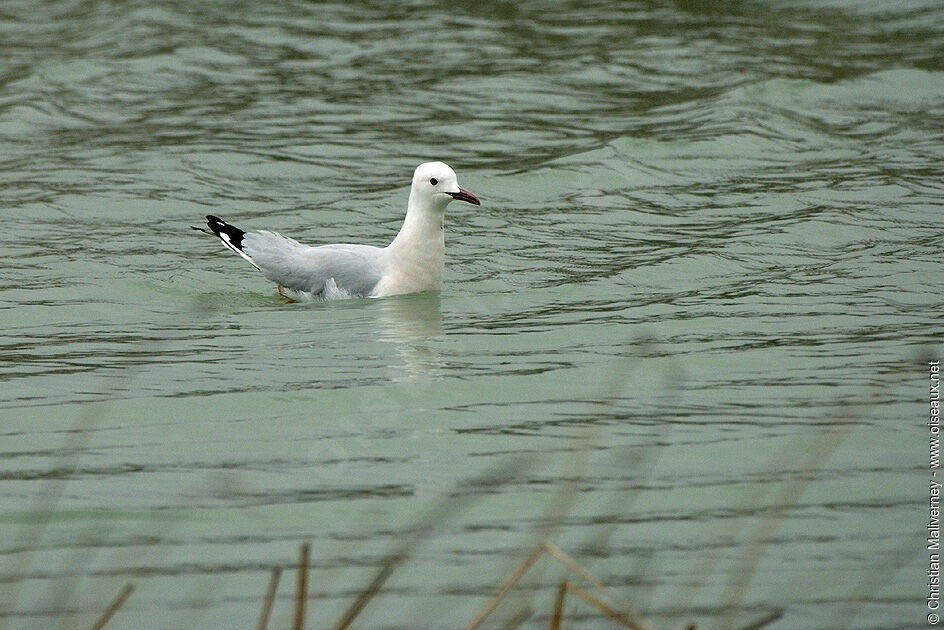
(687, 329)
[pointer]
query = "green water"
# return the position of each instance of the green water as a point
(685, 336)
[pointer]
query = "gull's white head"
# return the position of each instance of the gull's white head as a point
(435, 185)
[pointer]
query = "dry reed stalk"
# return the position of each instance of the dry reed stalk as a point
(628, 616)
(558, 612)
(46, 500)
(764, 621)
(65, 587)
(873, 581)
(435, 516)
(509, 583)
(301, 593)
(269, 599)
(369, 592)
(116, 603)
(784, 496)
(814, 457)
(577, 568)
(576, 466)
(591, 599)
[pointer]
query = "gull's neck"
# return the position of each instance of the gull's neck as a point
(423, 222)
(417, 255)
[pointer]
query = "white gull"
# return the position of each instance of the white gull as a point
(413, 262)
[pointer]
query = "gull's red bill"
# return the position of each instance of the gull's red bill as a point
(465, 195)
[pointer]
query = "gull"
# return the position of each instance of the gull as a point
(413, 262)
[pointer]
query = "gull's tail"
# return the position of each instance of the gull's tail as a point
(230, 235)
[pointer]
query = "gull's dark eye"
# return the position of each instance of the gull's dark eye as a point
(432, 180)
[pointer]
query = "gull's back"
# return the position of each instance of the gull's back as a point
(316, 272)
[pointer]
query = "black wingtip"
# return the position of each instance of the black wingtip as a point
(229, 234)
(215, 223)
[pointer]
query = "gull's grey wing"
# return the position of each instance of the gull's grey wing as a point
(355, 269)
